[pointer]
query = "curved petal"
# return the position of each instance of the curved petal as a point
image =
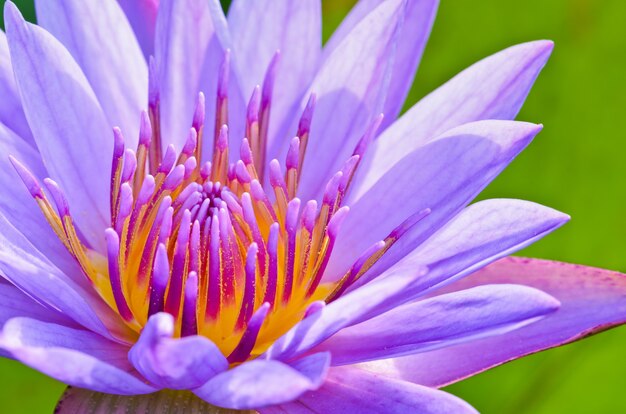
(142, 16)
(354, 391)
(351, 88)
(479, 235)
(11, 111)
(70, 129)
(100, 39)
(364, 303)
(440, 322)
(261, 383)
(592, 300)
(77, 357)
(32, 273)
(494, 88)
(443, 176)
(418, 21)
(175, 363)
(294, 28)
(15, 303)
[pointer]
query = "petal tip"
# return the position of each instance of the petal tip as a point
(540, 50)
(564, 218)
(12, 15)
(546, 45)
(539, 47)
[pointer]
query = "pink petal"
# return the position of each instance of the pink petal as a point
(592, 300)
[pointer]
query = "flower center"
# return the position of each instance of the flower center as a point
(205, 242)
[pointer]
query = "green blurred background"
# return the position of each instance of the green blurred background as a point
(575, 165)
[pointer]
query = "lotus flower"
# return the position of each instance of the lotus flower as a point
(185, 208)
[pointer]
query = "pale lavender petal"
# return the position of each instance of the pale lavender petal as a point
(354, 391)
(479, 235)
(182, 363)
(592, 300)
(11, 112)
(261, 383)
(29, 270)
(142, 16)
(440, 322)
(444, 176)
(100, 39)
(15, 303)
(294, 28)
(494, 88)
(70, 129)
(362, 304)
(18, 206)
(351, 89)
(77, 357)
(314, 367)
(191, 39)
(418, 21)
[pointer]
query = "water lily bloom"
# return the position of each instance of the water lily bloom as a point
(217, 205)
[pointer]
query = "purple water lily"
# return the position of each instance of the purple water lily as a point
(184, 207)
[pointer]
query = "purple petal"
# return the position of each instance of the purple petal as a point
(191, 39)
(77, 357)
(25, 267)
(354, 391)
(592, 300)
(351, 88)
(259, 383)
(479, 235)
(15, 303)
(100, 39)
(142, 16)
(418, 21)
(366, 302)
(294, 28)
(66, 119)
(440, 322)
(443, 176)
(175, 363)
(11, 112)
(494, 88)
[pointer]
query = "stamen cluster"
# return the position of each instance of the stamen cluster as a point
(205, 242)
